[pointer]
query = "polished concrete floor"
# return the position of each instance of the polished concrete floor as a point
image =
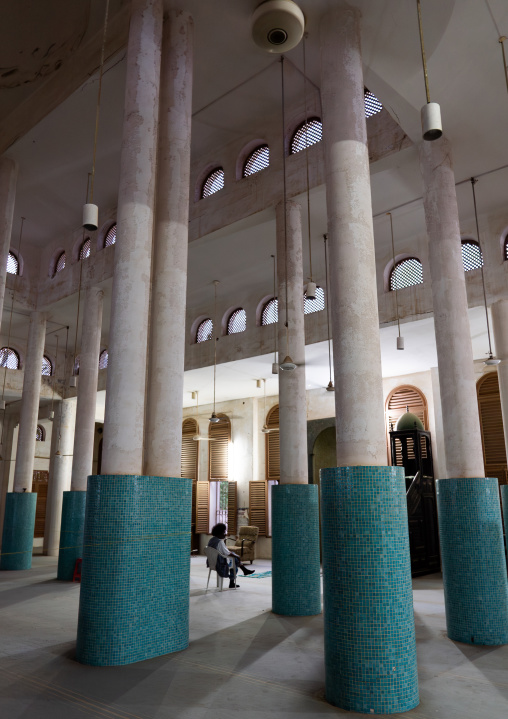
(243, 661)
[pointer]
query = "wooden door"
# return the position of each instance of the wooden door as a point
(40, 486)
(491, 424)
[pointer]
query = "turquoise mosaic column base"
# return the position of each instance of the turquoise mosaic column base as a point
(18, 532)
(71, 533)
(504, 500)
(134, 602)
(473, 560)
(296, 581)
(370, 645)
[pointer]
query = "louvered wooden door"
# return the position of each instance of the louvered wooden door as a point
(202, 507)
(272, 445)
(400, 398)
(491, 424)
(258, 506)
(40, 486)
(218, 451)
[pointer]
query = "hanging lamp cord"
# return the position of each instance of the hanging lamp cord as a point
(422, 46)
(307, 151)
(505, 68)
(216, 339)
(393, 270)
(286, 324)
(98, 107)
(325, 238)
(275, 302)
(474, 180)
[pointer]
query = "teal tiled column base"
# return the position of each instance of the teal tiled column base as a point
(18, 533)
(370, 646)
(504, 501)
(71, 533)
(473, 560)
(134, 601)
(296, 582)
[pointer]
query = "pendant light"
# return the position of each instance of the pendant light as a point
(197, 437)
(330, 387)
(400, 339)
(491, 360)
(310, 291)
(432, 128)
(264, 428)
(91, 211)
(213, 418)
(275, 364)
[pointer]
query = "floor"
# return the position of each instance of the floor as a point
(243, 661)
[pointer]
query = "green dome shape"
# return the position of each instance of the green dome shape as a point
(408, 420)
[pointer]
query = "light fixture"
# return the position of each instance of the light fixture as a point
(264, 428)
(258, 383)
(400, 340)
(330, 386)
(51, 415)
(73, 381)
(432, 128)
(277, 25)
(214, 419)
(310, 290)
(275, 365)
(287, 365)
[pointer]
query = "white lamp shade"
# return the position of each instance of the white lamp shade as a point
(432, 128)
(275, 368)
(310, 292)
(73, 381)
(400, 343)
(288, 365)
(90, 217)
(277, 25)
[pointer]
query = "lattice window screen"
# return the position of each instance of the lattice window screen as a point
(406, 273)
(237, 322)
(110, 238)
(472, 257)
(257, 160)
(306, 135)
(85, 249)
(270, 313)
(315, 305)
(213, 183)
(204, 331)
(12, 264)
(9, 358)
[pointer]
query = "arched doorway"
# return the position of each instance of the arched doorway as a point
(399, 398)
(491, 425)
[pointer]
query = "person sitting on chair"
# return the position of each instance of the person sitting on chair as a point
(217, 542)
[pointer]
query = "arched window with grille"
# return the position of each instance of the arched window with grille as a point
(204, 331)
(190, 448)
(315, 305)
(307, 134)
(406, 273)
(47, 366)
(213, 182)
(60, 263)
(110, 237)
(237, 322)
(472, 257)
(12, 264)
(270, 313)
(258, 160)
(218, 450)
(400, 398)
(103, 359)
(9, 358)
(505, 248)
(84, 250)
(372, 104)
(40, 434)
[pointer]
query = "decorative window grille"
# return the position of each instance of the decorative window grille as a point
(85, 249)
(12, 264)
(472, 257)
(315, 305)
(505, 254)
(372, 104)
(103, 359)
(205, 330)
(110, 238)
(39, 434)
(270, 314)
(9, 358)
(47, 367)
(213, 183)
(257, 160)
(60, 263)
(306, 135)
(406, 273)
(237, 322)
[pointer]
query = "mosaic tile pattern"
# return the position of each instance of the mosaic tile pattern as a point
(504, 502)
(370, 647)
(134, 601)
(296, 583)
(18, 532)
(473, 560)
(71, 533)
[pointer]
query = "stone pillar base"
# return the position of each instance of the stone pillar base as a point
(296, 582)
(18, 532)
(134, 601)
(473, 560)
(370, 646)
(71, 533)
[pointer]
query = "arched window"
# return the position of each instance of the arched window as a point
(218, 457)
(406, 273)
(103, 359)
(315, 305)
(306, 135)
(84, 252)
(213, 182)
(204, 331)
(472, 257)
(110, 238)
(257, 160)
(372, 104)
(189, 463)
(9, 358)
(272, 443)
(237, 322)
(40, 435)
(60, 263)
(12, 264)
(505, 251)
(47, 367)
(270, 313)
(396, 403)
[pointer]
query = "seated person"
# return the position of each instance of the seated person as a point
(218, 543)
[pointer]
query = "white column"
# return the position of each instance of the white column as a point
(128, 341)
(60, 466)
(461, 425)
(87, 389)
(500, 328)
(8, 178)
(163, 433)
(29, 413)
(354, 310)
(292, 397)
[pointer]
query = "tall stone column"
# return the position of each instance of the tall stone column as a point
(296, 589)
(19, 521)
(60, 465)
(163, 432)
(133, 538)
(370, 649)
(476, 591)
(9, 422)
(500, 328)
(8, 178)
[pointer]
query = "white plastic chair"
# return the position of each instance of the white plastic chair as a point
(211, 555)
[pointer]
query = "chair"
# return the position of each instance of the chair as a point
(211, 555)
(245, 545)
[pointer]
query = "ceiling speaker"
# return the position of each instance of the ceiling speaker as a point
(277, 25)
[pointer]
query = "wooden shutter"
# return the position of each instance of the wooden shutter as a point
(272, 445)
(491, 424)
(190, 449)
(258, 505)
(202, 504)
(218, 452)
(232, 507)
(398, 400)
(40, 486)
